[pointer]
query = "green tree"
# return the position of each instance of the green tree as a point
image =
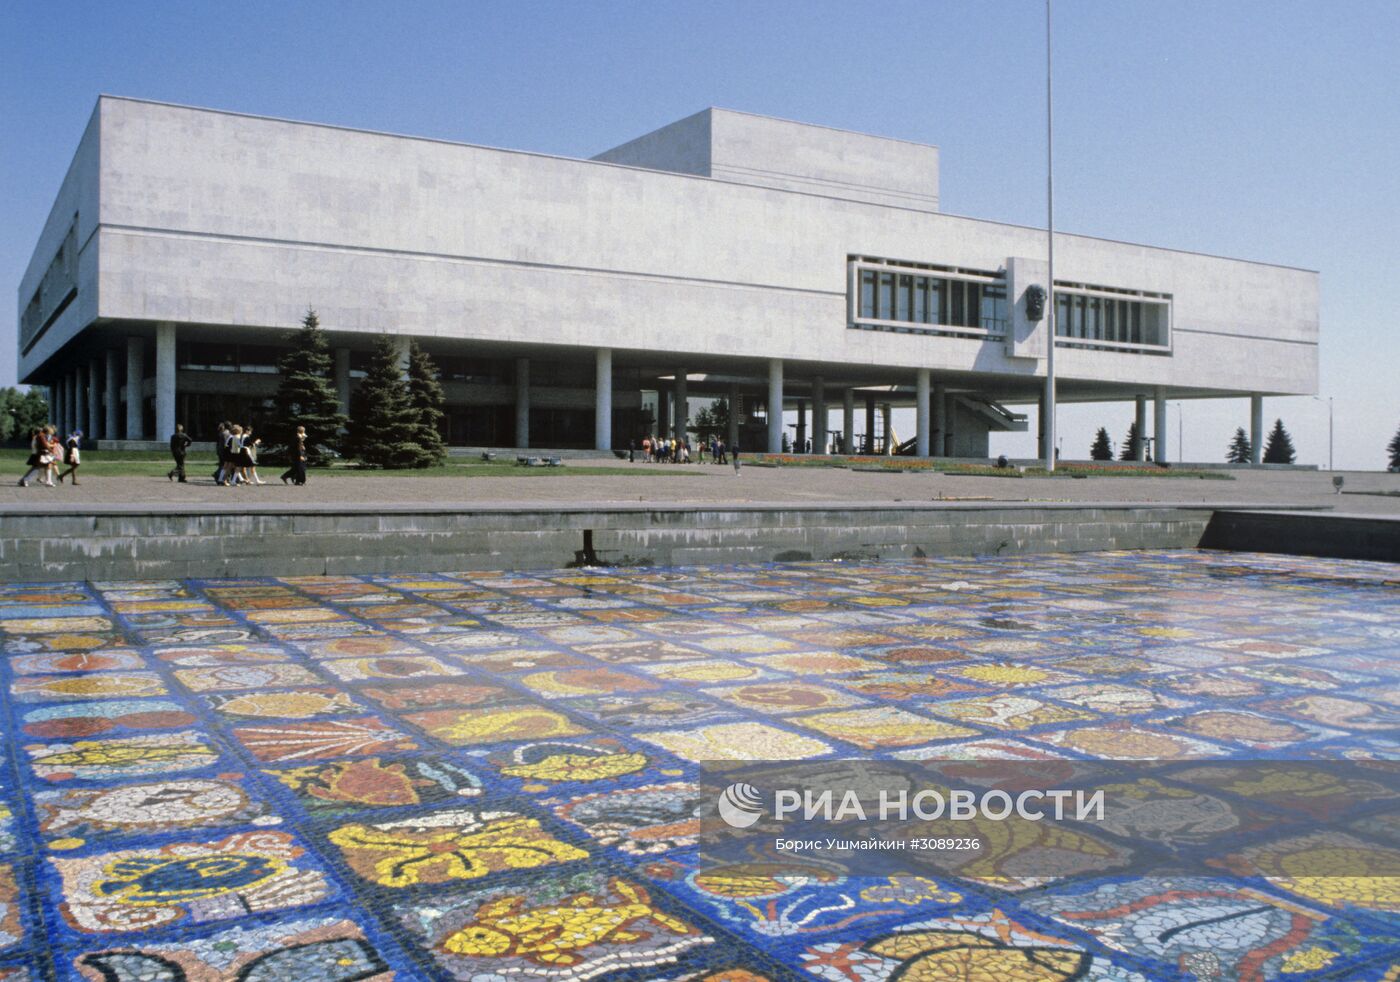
(1240, 450)
(703, 423)
(1103, 447)
(719, 415)
(1279, 448)
(1130, 443)
(426, 399)
(21, 412)
(1393, 448)
(382, 420)
(306, 395)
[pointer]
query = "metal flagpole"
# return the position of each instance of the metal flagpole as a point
(1048, 424)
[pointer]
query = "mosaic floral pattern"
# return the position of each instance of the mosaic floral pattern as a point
(322, 949)
(496, 776)
(144, 889)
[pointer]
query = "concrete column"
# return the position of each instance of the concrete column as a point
(1256, 429)
(114, 392)
(342, 379)
(682, 405)
(1159, 425)
(800, 440)
(819, 420)
(775, 405)
(522, 402)
(77, 401)
(56, 403)
(939, 422)
(869, 424)
(94, 400)
(165, 380)
(135, 366)
(950, 406)
(887, 424)
(733, 438)
(602, 400)
(848, 421)
(921, 393)
(1140, 417)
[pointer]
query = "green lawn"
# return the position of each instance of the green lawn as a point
(150, 463)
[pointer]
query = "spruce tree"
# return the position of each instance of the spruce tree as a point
(1102, 448)
(1130, 442)
(1240, 450)
(1393, 448)
(1279, 448)
(381, 419)
(306, 395)
(428, 403)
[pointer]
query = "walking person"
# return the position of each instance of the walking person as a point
(248, 457)
(221, 449)
(734, 456)
(297, 472)
(233, 447)
(38, 462)
(72, 456)
(54, 453)
(179, 446)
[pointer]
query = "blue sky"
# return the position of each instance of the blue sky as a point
(1262, 130)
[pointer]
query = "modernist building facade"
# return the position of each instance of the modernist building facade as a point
(583, 303)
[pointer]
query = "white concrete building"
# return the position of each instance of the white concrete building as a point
(727, 254)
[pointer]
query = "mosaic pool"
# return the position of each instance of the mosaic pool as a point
(492, 776)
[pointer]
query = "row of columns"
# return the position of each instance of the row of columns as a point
(79, 401)
(89, 396)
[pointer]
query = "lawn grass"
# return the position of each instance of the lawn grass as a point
(151, 463)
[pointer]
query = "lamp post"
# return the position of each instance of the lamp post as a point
(1329, 429)
(1048, 424)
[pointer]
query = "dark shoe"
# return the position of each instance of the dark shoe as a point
(284, 478)
(170, 476)
(183, 481)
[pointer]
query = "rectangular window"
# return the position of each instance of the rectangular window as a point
(920, 315)
(867, 293)
(903, 300)
(886, 308)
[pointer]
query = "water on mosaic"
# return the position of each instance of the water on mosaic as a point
(493, 777)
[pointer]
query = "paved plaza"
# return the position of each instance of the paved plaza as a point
(492, 776)
(1378, 493)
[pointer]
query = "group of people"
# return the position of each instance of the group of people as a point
(48, 454)
(660, 450)
(238, 449)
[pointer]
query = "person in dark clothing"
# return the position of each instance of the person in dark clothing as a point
(297, 472)
(179, 445)
(72, 456)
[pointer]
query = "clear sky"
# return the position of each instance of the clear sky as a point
(1259, 129)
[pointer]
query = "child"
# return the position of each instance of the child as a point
(72, 456)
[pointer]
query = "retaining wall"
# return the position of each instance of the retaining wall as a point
(131, 543)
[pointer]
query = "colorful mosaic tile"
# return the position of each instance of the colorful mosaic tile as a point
(356, 785)
(570, 927)
(321, 949)
(149, 806)
(281, 742)
(494, 776)
(448, 846)
(144, 889)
